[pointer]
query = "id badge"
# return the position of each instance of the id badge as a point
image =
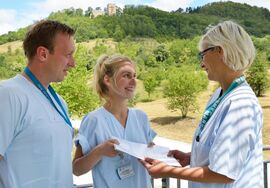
(125, 171)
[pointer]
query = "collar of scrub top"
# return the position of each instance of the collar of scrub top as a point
(46, 94)
(212, 107)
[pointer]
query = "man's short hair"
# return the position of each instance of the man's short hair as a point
(43, 34)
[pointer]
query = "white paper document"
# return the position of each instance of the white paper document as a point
(141, 151)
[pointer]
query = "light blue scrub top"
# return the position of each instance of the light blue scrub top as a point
(231, 142)
(99, 126)
(35, 141)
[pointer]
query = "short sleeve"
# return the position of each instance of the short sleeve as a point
(9, 117)
(235, 137)
(87, 134)
(151, 134)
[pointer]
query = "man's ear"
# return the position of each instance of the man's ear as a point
(42, 53)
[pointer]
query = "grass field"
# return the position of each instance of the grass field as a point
(169, 124)
(12, 45)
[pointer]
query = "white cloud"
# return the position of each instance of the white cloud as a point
(7, 20)
(169, 5)
(10, 20)
(49, 6)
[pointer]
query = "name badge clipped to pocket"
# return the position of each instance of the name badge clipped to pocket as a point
(125, 171)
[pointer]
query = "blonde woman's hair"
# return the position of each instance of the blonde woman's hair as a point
(238, 48)
(107, 65)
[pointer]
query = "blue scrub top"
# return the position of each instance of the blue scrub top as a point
(35, 141)
(99, 126)
(231, 142)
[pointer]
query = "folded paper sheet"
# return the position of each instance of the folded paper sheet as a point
(141, 151)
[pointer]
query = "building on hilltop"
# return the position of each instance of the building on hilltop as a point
(111, 9)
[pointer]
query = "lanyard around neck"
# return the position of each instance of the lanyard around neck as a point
(46, 94)
(212, 107)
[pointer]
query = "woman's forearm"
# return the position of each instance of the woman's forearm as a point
(83, 164)
(200, 174)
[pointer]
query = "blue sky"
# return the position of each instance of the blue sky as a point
(15, 14)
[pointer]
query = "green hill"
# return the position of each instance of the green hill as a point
(149, 22)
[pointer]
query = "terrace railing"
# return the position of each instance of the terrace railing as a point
(165, 182)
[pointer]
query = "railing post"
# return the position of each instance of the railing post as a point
(152, 182)
(265, 174)
(178, 183)
(165, 182)
(265, 163)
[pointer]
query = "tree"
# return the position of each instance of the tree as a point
(161, 53)
(257, 76)
(150, 61)
(99, 49)
(88, 12)
(182, 87)
(118, 34)
(79, 12)
(119, 11)
(179, 10)
(75, 89)
(149, 82)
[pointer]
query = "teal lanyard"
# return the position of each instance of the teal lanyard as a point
(212, 107)
(46, 94)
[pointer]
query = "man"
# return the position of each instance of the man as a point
(36, 133)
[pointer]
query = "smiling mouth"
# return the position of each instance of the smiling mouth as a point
(130, 89)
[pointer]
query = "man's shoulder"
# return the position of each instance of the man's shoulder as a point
(13, 86)
(11, 83)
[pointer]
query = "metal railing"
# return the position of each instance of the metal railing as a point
(265, 169)
(165, 182)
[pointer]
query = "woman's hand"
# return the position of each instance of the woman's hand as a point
(107, 148)
(181, 157)
(150, 144)
(156, 168)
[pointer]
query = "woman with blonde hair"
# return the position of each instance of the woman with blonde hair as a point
(227, 146)
(115, 83)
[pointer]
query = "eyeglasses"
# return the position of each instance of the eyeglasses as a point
(202, 53)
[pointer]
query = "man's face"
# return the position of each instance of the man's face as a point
(61, 59)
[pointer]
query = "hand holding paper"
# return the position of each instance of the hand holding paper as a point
(141, 151)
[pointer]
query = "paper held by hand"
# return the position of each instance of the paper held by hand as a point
(141, 151)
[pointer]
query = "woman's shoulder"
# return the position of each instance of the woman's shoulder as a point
(242, 96)
(243, 92)
(92, 116)
(137, 112)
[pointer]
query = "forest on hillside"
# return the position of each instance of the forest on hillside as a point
(144, 21)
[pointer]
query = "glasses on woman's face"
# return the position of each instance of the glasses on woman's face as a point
(202, 53)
